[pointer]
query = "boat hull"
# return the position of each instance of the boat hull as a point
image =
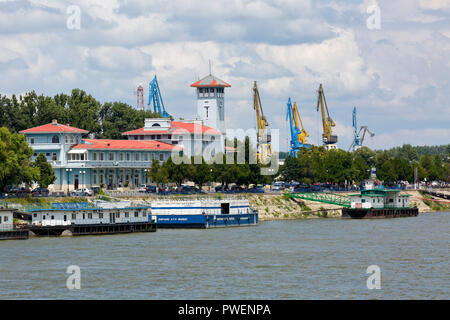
(205, 220)
(379, 213)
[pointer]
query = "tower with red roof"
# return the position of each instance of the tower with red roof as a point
(210, 101)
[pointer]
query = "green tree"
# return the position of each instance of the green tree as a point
(46, 174)
(200, 173)
(176, 173)
(158, 174)
(15, 160)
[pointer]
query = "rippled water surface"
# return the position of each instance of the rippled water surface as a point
(302, 259)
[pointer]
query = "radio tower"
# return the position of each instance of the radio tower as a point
(140, 98)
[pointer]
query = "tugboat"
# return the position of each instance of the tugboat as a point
(379, 203)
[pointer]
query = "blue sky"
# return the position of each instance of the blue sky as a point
(397, 76)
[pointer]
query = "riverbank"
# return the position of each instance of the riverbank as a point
(276, 206)
(279, 207)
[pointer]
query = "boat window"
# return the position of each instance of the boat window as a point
(225, 208)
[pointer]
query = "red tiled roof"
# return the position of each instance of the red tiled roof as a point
(178, 128)
(126, 145)
(210, 81)
(54, 127)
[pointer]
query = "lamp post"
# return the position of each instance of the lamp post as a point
(82, 178)
(68, 170)
(146, 175)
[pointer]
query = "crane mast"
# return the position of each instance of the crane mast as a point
(329, 140)
(358, 135)
(264, 148)
(154, 96)
(298, 136)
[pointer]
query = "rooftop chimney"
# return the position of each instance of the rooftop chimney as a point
(54, 122)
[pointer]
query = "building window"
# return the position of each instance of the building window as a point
(31, 140)
(55, 139)
(158, 137)
(71, 139)
(89, 215)
(138, 156)
(67, 140)
(161, 157)
(136, 214)
(74, 216)
(100, 215)
(128, 156)
(117, 214)
(54, 156)
(111, 156)
(47, 154)
(146, 156)
(5, 219)
(121, 156)
(102, 156)
(126, 214)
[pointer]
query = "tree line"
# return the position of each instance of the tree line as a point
(79, 109)
(338, 166)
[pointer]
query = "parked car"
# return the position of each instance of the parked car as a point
(220, 188)
(258, 189)
(23, 191)
(142, 188)
(40, 192)
(150, 189)
(82, 192)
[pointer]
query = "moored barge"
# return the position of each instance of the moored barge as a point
(205, 213)
(76, 219)
(10, 230)
(379, 203)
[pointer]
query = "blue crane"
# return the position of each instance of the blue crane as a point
(298, 135)
(154, 95)
(358, 138)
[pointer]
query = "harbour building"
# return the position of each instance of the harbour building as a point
(79, 161)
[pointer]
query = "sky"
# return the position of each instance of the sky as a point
(390, 59)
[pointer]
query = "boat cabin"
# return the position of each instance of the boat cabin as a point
(59, 214)
(378, 199)
(6, 219)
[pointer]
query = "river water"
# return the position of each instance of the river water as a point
(297, 259)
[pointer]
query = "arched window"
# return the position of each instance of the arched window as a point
(156, 125)
(55, 139)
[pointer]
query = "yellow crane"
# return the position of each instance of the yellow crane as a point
(264, 148)
(301, 136)
(328, 138)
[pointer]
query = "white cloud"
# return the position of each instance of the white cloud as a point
(396, 76)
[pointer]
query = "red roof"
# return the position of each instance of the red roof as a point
(210, 81)
(177, 127)
(54, 127)
(126, 145)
